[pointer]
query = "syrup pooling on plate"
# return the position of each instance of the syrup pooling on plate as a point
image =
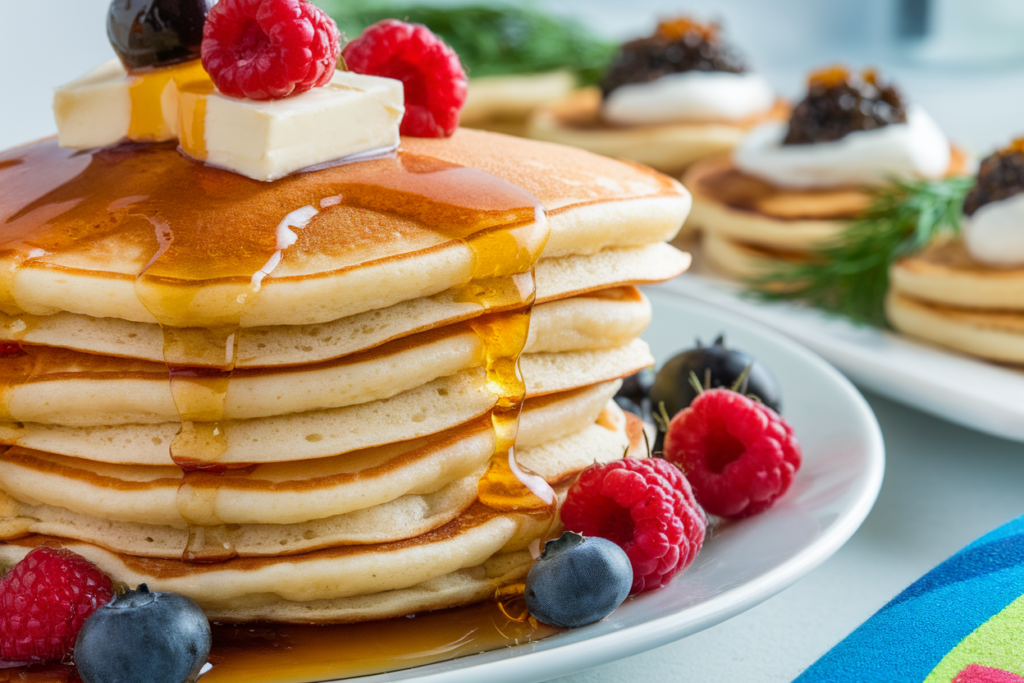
(255, 653)
(202, 243)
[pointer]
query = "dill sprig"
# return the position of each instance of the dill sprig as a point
(491, 40)
(849, 276)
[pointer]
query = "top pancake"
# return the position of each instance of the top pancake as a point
(221, 249)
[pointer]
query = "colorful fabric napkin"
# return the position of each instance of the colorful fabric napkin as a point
(962, 622)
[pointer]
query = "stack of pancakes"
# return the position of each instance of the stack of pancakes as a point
(943, 295)
(339, 344)
(752, 227)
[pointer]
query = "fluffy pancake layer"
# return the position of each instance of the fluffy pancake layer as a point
(670, 148)
(992, 334)
(283, 493)
(945, 274)
(346, 260)
(74, 389)
(584, 280)
(238, 586)
(407, 516)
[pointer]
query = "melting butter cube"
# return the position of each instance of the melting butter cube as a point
(353, 115)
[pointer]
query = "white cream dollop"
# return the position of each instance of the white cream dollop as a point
(689, 96)
(994, 235)
(917, 148)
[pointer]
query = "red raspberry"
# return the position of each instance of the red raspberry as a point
(44, 600)
(646, 507)
(269, 49)
(435, 84)
(738, 454)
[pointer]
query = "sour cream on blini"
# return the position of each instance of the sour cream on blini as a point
(917, 148)
(689, 96)
(994, 235)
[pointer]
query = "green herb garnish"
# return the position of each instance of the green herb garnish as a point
(492, 40)
(850, 276)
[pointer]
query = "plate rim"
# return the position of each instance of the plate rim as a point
(562, 659)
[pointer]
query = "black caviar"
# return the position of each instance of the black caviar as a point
(1000, 176)
(679, 45)
(840, 102)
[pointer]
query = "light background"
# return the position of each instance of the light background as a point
(944, 485)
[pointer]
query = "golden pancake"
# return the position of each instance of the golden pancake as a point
(188, 245)
(327, 574)
(458, 588)
(431, 408)
(58, 386)
(992, 334)
(945, 274)
(404, 517)
(467, 541)
(670, 147)
(743, 261)
(282, 493)
(754, 212)
(587, 317)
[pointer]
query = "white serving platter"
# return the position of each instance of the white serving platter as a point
(956, 387)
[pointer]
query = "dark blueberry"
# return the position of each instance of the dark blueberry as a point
(637, 386)
(716, 366)
(577, 581)
(148, 33)
(143, 636)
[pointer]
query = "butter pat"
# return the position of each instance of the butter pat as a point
(353, 115)
(108, 106)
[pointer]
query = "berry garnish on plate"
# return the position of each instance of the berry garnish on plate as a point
(435, 83)
(152, 33)
(44, 600)
(646, 507)
(143, 636)
(715, 366)
(739, 455)
(577, 581)
(269, 49)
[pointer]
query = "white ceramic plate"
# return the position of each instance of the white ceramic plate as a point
(745, 563)
(956, 387)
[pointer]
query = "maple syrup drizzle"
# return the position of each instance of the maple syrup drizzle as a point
(148, 93)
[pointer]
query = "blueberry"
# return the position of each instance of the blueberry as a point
(143, 636)
(577, 581)
(148, 33)
(722, 366)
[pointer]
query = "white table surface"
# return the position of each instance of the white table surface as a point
(944, 485)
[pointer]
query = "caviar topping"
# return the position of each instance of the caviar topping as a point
(1000, 176)
(678, 46)
(840, 102)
